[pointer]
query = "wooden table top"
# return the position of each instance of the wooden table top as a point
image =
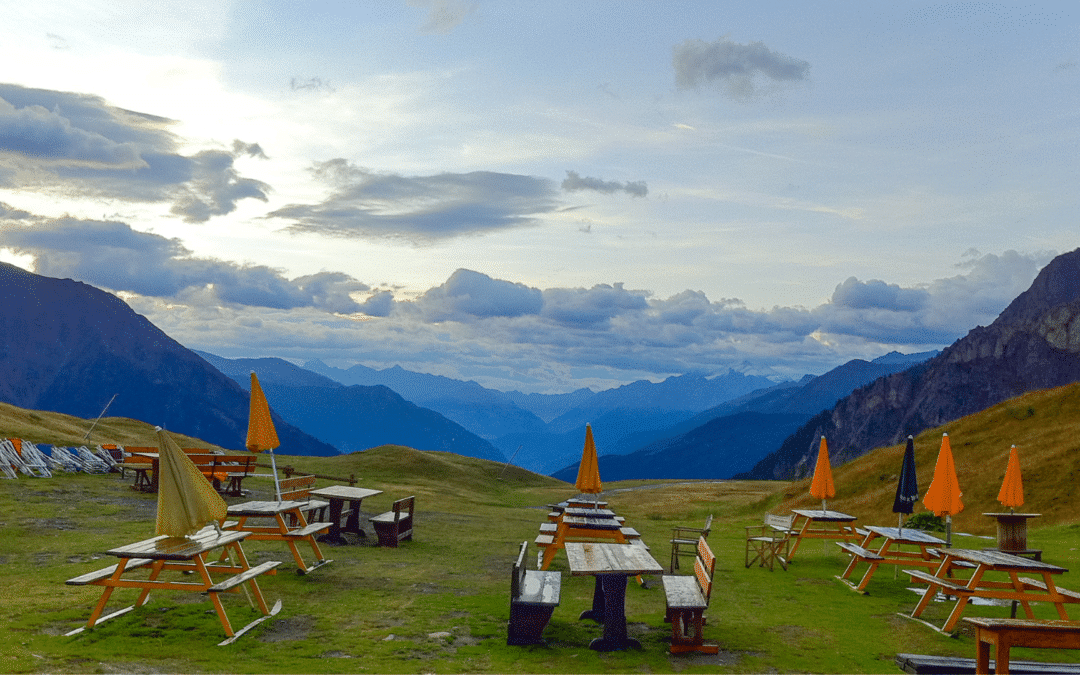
(178, 548)
(906, 535)
(818, 514)
(594, 558)
(999, 560)
(261, 508)
(584, 513)
(345, 492)
(592, 523)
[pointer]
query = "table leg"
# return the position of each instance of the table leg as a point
(353, 523)
(615, 637)
(334, 535)
(597, 611)
(798, 538)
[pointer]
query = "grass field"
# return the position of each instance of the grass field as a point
(440, 603)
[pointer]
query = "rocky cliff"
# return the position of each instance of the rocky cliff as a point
(1033, 344)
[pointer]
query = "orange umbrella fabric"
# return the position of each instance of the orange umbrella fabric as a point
(822, 486)
(261, 435)
(943, 495)
(1011, 494)
(588, 475)
(186, 499)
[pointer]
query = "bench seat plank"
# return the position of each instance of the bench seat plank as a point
(926, 577)
(91, 577)
(683, 592)
(862, 553)
(247, 574)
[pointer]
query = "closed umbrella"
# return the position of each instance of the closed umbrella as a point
(822, 486)
(943, 495)
(1011, 494)
(186, 500)
(907, 488)
(261, 435)
(588, 475)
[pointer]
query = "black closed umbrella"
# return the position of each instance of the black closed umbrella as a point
(907, 488)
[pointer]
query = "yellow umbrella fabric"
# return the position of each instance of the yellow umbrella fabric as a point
(822, 486)
(943, 495)
(1011, 494)
(261, 435)
(588, 475)
(186, 500)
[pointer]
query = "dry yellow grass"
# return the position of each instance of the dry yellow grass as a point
(1045, 427)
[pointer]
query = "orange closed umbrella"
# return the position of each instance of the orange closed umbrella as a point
(943, 495)
(588, 475)
(1011, 494)
(261, 435)
(822, 486)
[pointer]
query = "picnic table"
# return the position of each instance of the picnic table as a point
(888, 551)
(337, 495)
(985, 564)
(186, 555)
(611, 564)
(820, 524)
(587, 527)
(280, 513)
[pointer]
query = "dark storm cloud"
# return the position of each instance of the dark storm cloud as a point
(574, 182)
(419, 208)
(734, 65)
(111, 255)
(79, 144)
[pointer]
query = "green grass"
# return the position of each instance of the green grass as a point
(440, 602)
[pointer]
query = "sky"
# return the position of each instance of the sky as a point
(550, 195)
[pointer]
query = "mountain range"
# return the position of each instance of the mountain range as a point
(1033, 344)
(69, 347)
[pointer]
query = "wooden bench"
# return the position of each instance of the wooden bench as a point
(956, 665)
(769, 541)
(952, 587)
(687, 599)
(860, 554)
(235, 468)
(1004, 634)
(534, 594)
(298, 489)
(684, 541)
(396, 524)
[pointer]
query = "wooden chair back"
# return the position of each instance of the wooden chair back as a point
(704, 566)
(517, 578)
(297, 487)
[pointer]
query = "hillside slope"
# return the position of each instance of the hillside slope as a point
(1032, 345)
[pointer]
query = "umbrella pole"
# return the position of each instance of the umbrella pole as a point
(948, 531)
(273, 467)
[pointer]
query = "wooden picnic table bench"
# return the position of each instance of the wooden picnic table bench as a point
(687, 599)
(534, 594)
(396, 524)
(280, 513)
(888, 551)
(188, 556)
(1004, 634)
(929, 664)
(1019, 589)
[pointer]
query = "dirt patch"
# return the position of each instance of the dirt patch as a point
(284, 630)
(680, 662)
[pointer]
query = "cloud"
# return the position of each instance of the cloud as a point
(79, 144)
(418, 208)
(740, 68)
(443, 15)
(591, 308)
(469, 295)
(111, 255)
(574, 182)
(877, 294)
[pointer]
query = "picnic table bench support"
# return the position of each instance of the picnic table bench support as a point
(534, 594)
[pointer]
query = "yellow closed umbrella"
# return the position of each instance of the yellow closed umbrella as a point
(943, 495)
(261, 435)
(588, 475)
(1011, 494)
(186, 499)
(822, 486)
